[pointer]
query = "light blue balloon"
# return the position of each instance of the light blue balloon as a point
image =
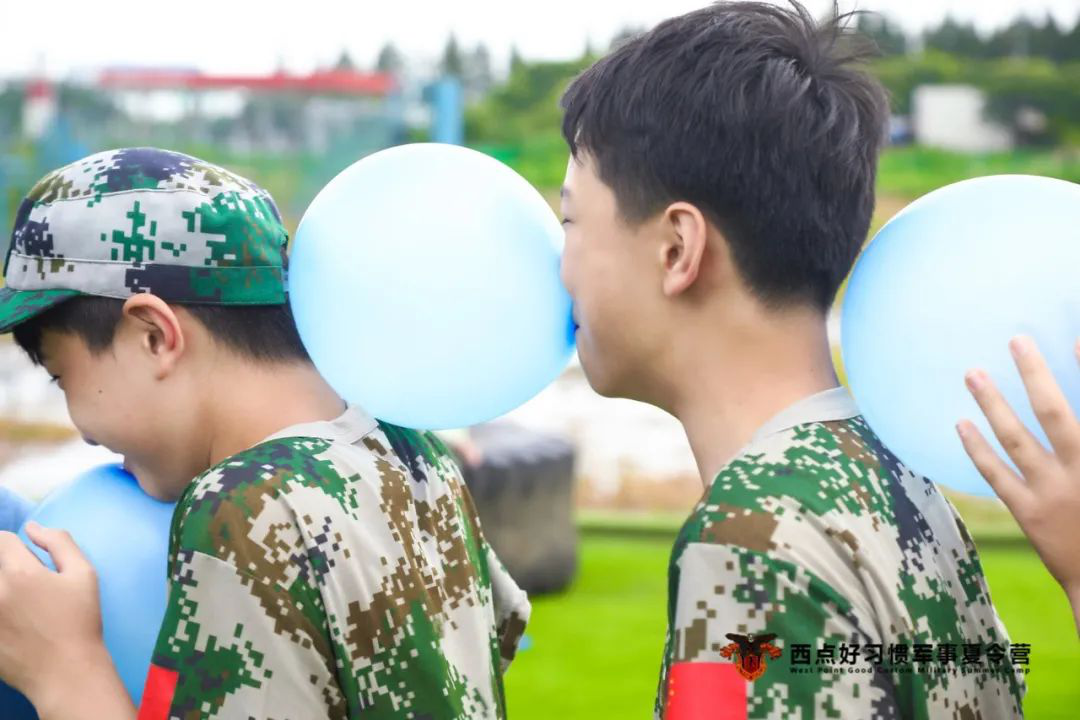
(424, 280)
(125, 534)
(940, 290)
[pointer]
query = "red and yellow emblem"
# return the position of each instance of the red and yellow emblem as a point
(750, 652)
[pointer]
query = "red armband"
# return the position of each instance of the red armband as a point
(705, 691)
(158, 693)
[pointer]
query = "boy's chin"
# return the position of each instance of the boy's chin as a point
(146, 482)
(599, 378)
(130, 468)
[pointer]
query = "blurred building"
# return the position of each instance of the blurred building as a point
(952, 117)
(39, 108)
(275, 113)
(291, 133)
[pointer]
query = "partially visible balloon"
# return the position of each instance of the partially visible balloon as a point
(125, 535)
(424, 280)
(941, 289)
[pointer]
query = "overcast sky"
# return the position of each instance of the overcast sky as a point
(242, 36)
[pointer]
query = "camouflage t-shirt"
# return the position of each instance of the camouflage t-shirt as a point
(817, 534)
(335, 570)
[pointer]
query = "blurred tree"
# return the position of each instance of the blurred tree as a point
(901, 74)
(589, 51)
(477, 77)
(1070, 43)
(956, 38)
(1048, 40)
(525, 105)
(1037, 98)
(1020, 38)
(345, 63)
(887, 36)
(11, 104)
(519, 121)
(1014, 40)
(85, 106)
(452, 62)
(516, 63)
(390, 60)
(627, 33)
(273, 120)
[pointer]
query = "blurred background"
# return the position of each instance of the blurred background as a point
(581, 495)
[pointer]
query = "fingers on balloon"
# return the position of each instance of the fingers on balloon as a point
(1022, 447)
(13, 553)
(1047, 400)
(61, 547)
(997, 473)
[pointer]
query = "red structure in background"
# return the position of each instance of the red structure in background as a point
(339, 82)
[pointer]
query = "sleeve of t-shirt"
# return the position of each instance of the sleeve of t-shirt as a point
(238, 641)
(726, 590)
(512, 609)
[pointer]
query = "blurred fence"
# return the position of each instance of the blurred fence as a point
(291, 142)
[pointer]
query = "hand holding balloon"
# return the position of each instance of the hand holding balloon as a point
(122, 537)
(940, 289)
(1044, 495)
(50, 626)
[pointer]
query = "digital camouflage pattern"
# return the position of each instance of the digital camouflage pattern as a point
(143, 220)
(336, 570)
(816, 533)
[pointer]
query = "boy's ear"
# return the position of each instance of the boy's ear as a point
(687, 234)
(160, 333)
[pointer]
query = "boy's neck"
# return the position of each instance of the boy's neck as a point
(261, 401)
(751, 371)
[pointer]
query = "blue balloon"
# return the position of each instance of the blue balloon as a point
(940, 290)
(125, 535)
(424, 280)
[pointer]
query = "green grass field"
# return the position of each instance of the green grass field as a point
(914, 171)
(594, 651)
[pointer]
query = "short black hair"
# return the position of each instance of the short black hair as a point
(761, 117)
(261, 333)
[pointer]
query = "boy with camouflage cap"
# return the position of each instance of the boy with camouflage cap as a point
(322, 564)
(720, 186)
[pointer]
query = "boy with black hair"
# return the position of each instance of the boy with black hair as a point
(720, 186)
(321, 564)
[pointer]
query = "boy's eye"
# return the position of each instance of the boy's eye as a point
(54, 379)
(566, 220)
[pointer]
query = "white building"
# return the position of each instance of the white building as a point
(951, 117)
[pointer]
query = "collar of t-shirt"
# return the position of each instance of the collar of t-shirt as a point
(834, 404)
(347, 428)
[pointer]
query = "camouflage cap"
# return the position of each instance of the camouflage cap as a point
(143, 220)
